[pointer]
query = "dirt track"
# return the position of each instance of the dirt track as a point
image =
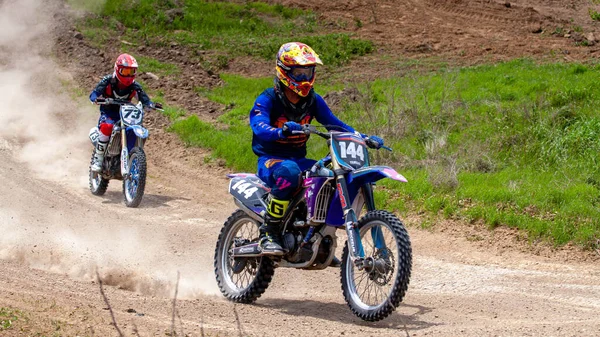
(55, 235)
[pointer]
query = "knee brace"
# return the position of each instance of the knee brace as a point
(286, 179)
(105, 131)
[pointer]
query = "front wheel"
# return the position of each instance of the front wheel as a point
(135, 182)
(375, 290)
(98, 184)
(241, 280)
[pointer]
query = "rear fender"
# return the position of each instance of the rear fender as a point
(248, 190)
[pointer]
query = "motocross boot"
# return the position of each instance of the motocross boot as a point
(270, 238)
(335, 262)
(98, 156)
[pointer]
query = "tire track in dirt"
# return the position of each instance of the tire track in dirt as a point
(459, 30)
(487, 13)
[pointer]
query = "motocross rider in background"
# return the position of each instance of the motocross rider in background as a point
(120, 85)
(277, 112)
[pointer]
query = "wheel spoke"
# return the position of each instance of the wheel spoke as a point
(246, 280)
(367, 289)
(372, 244)
(370, 287)
(376, 293)
(362, 278)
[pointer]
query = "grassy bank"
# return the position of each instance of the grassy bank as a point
(250, 29)
(512, 144)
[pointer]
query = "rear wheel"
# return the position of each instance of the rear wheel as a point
(376, 289)
(98, 185)
(135, 182)
(241, 280)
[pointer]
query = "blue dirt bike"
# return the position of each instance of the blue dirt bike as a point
(377, 258)
(124, 158)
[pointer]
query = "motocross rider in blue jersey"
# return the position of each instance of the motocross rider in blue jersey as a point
(120, 85)
(277, 112)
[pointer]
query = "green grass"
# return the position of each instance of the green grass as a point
(232, 139)
(254, 28)
(9, 318)
(95, 30)
(594, 15)
(148, 64)
(87, 5)
(512, 144)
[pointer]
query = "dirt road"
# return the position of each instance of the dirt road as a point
(54, 236)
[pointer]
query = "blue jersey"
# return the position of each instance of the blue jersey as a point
(268, 116)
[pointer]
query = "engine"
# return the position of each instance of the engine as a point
(298, 252)
(299, 239)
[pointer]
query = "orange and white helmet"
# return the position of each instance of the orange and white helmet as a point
(125, 69)
(295, 67)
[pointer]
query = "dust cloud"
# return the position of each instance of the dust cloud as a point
(33, 98)
(57, 226)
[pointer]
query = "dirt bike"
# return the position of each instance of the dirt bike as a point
(377, 257)
(124, 158)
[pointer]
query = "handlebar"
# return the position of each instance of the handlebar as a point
(109, 101)
(311, 129)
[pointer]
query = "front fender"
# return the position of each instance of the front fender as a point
(139, 131)
(356, 179)
(374, 173)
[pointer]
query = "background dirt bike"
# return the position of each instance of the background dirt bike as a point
(377, 257)
(124, 158)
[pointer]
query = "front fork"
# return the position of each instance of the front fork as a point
(357, 253)
(350, 220)
(124, 152)
(376, 233)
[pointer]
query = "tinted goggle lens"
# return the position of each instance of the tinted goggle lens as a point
(302, 73)
(127, 71)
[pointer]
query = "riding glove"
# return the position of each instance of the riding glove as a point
(288, 127)
(375, 142)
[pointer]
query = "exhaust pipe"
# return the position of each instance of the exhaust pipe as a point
(249, 250)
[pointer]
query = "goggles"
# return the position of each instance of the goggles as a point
(127, 71)
(301, 74)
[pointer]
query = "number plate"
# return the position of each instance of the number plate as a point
(131, 115)
(94, 135)
(249, 190)
(350, 150)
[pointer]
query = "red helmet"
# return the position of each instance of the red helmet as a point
(125, 69)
